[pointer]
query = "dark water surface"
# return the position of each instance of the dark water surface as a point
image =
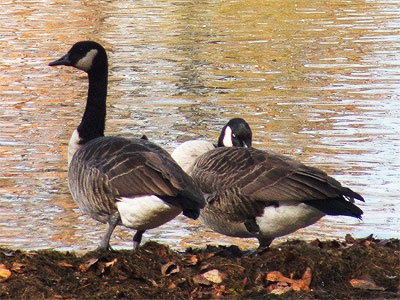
(319, 81)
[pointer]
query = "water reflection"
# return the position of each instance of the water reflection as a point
(298, 72)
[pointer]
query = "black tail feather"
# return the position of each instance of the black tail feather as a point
(336, 207)
(190, 208)
(191, 213)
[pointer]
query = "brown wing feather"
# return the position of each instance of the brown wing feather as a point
(128, 168)
(263, 175)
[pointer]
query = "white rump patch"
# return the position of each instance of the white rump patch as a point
(186, 154)
(287, 218)
(85, 63)
(274, 222)
(73, 145)
(227, 141)
(145, 212)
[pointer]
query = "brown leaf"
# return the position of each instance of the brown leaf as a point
(18, 267)
(169, 268)
(86, 265)
(243, 284)
(302, 284)
(4, 273)
(105, 265)
(279, 288)
(65, 264)
(111, 263)
(277, 276)
(161, 252)
(218, 291)
(365, 284)
(172, 286)
(200, 279)
(214, 276)
(191, 260)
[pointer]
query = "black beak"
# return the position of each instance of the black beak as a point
(62, 61)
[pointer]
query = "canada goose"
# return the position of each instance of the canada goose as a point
(261, 194)
(116, 180)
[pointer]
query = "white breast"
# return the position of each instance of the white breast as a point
(73, 145)
(186, 154)
(145, 212)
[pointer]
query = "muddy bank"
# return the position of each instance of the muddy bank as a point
(352, 269)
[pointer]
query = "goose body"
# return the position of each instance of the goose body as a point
(261, 194)
(117, 180)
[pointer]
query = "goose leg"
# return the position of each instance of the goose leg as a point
(112, 223)
(264, 243)
(137, 238)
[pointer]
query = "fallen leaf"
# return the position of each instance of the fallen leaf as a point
(4, 273)
(65, 264)
(161, 252)
(172, 286)
(86, 265)
(191, 260)
(277, 276)
(365, 284)
(204, 267)
(302, 284)
(213, 276)
(110, 263)
(279, 288)
(218, 291)
(18, 267)
(200, 279)
(105, 265)
(243, 284)
(169, 268)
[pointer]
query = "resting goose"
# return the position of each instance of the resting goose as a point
(116, 180)
(260, 194)
(235, 133)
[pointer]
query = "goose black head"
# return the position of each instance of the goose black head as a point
(87, 56)
(236, 133)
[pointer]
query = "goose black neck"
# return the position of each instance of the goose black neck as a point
(94, 118)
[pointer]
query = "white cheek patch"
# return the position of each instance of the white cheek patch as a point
(227, 141)
(85, 63)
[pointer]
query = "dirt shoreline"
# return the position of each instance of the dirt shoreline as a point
(353, 269)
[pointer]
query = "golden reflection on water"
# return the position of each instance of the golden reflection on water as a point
(317, 82)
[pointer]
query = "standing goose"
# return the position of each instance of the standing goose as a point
(261, 194)
(116, 180)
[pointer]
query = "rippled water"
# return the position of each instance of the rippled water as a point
(318, 82)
